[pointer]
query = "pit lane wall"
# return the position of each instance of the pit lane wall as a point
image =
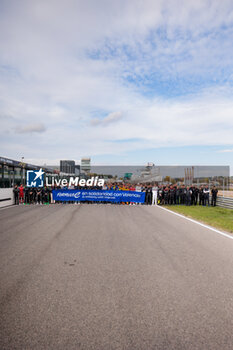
(6, 197)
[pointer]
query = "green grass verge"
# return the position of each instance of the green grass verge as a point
(220, 218)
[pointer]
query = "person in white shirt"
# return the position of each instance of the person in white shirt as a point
(154, 194)
(206, 193)
(138, 188)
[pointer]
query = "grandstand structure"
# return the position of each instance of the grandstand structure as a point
(162, 173)
(13, 172)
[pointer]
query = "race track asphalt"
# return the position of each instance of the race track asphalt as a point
(108, 277)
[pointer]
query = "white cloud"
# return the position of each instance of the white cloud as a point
(30, 128)
(111, 118)
(67, 65)
(226, 151)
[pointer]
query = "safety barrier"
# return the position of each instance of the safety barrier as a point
(225, 202)
(6, 197)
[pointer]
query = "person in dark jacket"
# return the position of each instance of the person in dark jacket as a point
(201, 196)
(214, 193)
(26, 195)
(172, 195)
(183, 195)
(166, 195)
(31, 195)
(177, 195)
(184, 192)
(39, 195)
(193, 189)
(45, 196)
(16, 195)
(148, 198)
(160, 195)
(188, 196)
(196, 195)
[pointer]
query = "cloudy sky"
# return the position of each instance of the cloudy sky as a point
(124, 82)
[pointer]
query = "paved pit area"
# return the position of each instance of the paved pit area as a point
(112, 277)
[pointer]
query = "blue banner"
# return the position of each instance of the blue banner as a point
(99, 196)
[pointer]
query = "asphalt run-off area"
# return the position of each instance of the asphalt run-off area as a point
(108, 277)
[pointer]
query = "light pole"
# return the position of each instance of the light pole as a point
(22, 170)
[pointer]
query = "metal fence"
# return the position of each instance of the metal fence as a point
(225, 202)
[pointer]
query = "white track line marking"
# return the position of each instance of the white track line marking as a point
(197, 222)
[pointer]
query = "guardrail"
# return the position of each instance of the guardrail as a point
(224, 202)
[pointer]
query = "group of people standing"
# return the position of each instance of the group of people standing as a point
(187, 195)
(154, 195)
(31, 195)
